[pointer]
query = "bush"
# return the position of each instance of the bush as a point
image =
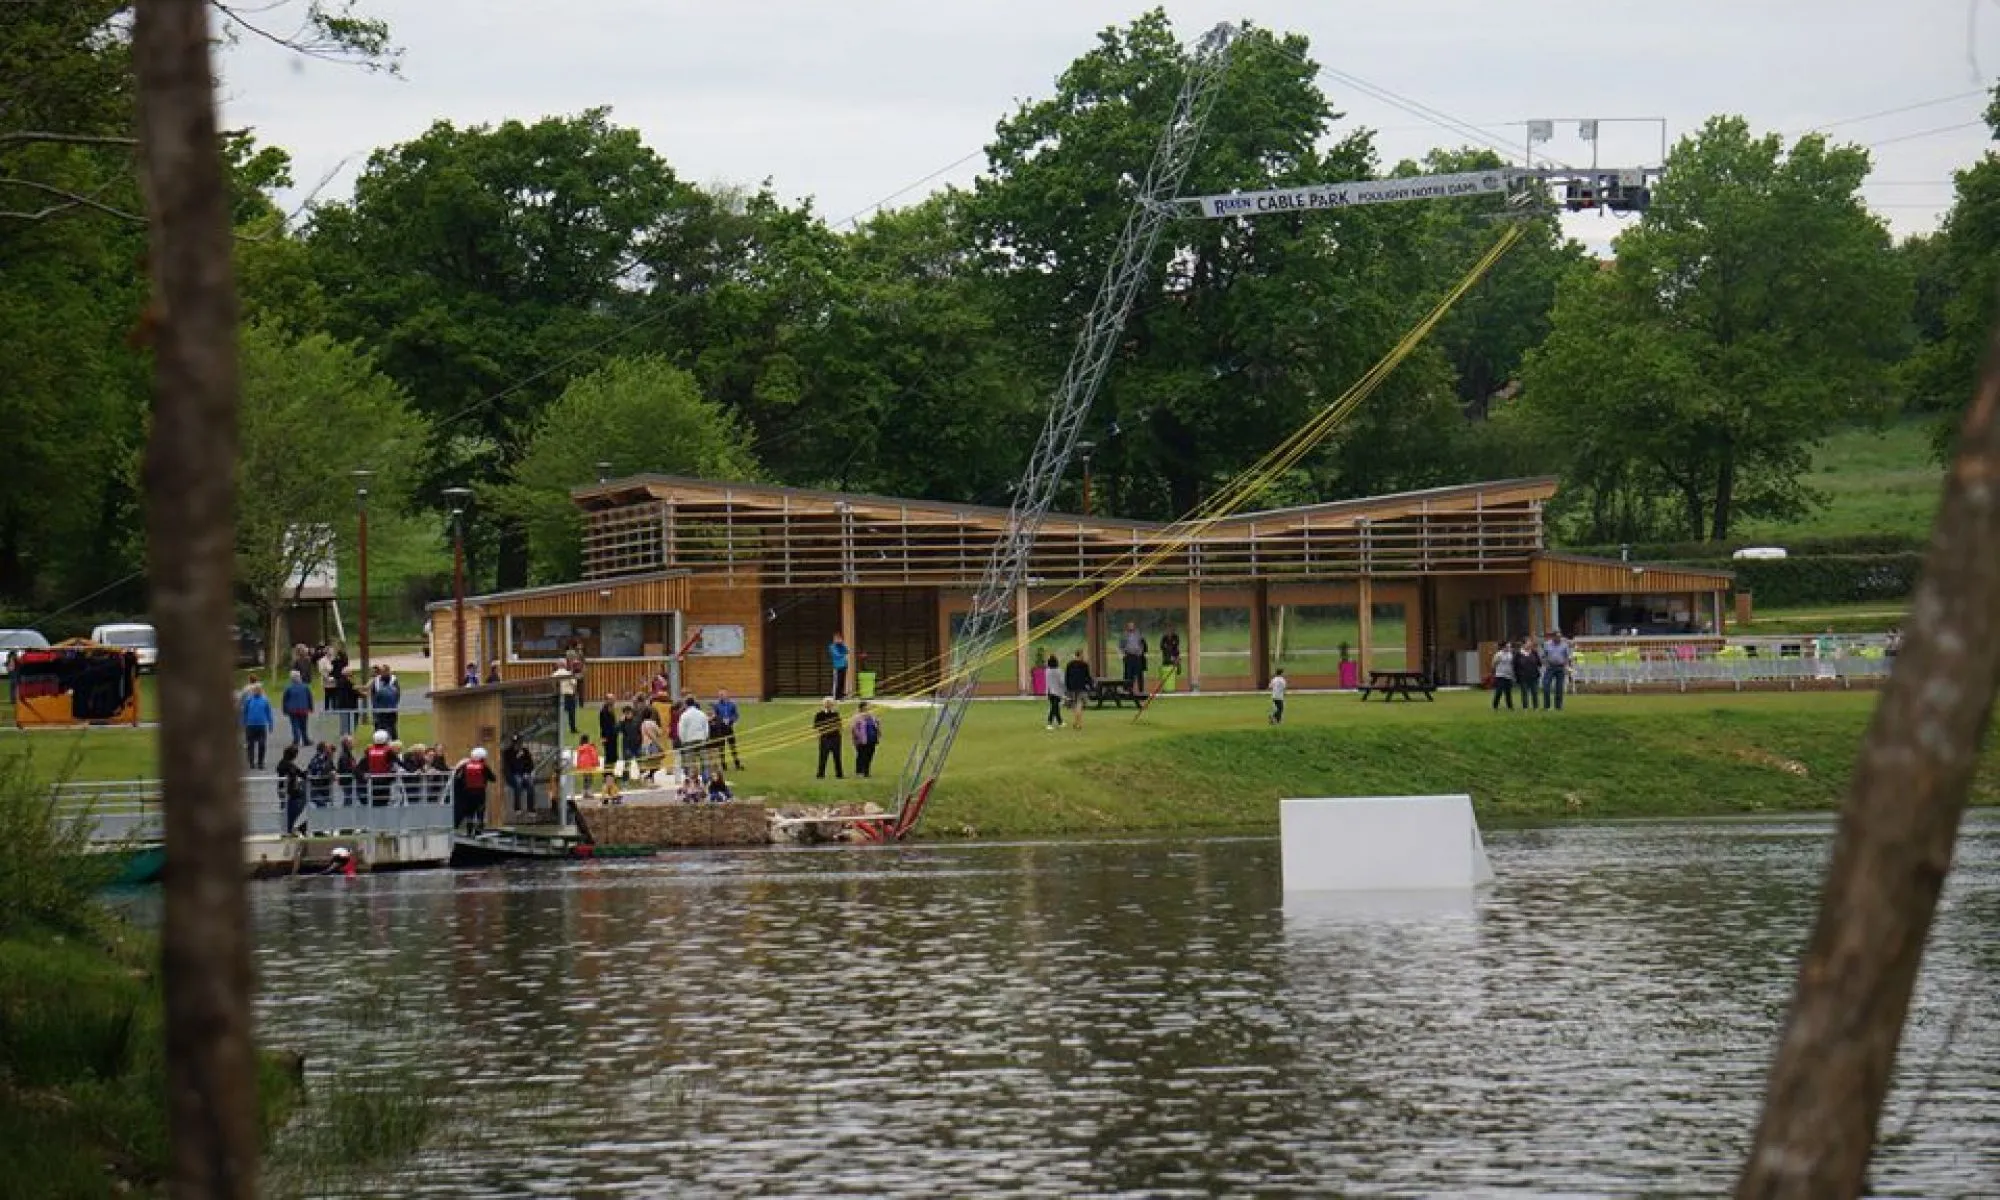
(48, 875)
(1829, 579)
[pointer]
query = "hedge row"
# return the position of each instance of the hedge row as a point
(1805, 547)
(1827, 579)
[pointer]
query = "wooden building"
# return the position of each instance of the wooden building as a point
(741, 587)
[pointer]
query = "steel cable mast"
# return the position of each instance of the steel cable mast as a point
(1103, 327)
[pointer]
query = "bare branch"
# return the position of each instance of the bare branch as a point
(43, 136)
(66, 200)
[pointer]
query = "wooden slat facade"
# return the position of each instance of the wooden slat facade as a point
(1575, 575)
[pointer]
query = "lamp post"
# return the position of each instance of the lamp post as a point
(361, 478)
(604, 472)
(1084, 448)
(458, 497)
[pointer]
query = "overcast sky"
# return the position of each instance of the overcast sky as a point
(852, 103)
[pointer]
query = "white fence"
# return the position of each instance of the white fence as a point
(1744, 662)
(128, 810)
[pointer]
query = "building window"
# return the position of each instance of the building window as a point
(623, 635)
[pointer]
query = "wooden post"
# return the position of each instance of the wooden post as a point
(1260, 635)
(189, 482)
(1023, 664)
(1191, 647)
(1093, 624)
(1364, 611)
(847, 635)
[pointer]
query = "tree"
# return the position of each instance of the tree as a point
(1245, 327)
(488, 266)
(638, 414)
(1764, 305)
(313, 411)
(1489, 331)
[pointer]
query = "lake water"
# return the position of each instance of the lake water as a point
(1134, 1018)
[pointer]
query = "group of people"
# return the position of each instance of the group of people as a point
(641, 733)
(385, 772)
(1538, 670)
(339, 696)
(866, 733)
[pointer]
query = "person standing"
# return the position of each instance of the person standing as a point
(1133, 647)
(349, 770)
(1052, 683)
(1076, 687)
(722, 726)
(588, 766)
(379, 764)
(1528, 672)
(1555, 670)
(471, 676)
(566, 685)
(519, 763)
(1278, 688)
(1170, 657)
(694, 731)
(474, 776)
(836, 652)
(298, 705)
(1503, 676)
(826, 723)
(607, 731)
(342, 696)
(319, 776)
(384, 696)
(257, 722)
(867, 735)
(291, 789)
(631, 738)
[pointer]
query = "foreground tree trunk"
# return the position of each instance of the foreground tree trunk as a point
(190, 534)
(1894, 849)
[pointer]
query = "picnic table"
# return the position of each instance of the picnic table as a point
(1399, 683)
(1115, 692)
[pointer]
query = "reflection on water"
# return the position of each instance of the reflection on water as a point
(1122, 1018)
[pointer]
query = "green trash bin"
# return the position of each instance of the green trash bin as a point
(864, 684)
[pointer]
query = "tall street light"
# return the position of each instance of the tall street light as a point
(458, 496)
(604, 472)
(361, 478)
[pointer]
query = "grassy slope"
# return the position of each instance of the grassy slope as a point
(1215, 763)
(1876, 481)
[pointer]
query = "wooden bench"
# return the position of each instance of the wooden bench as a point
(1115, 692)
(1399, 683)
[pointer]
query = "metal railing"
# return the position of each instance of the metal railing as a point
(129, 810)
(1747, 662)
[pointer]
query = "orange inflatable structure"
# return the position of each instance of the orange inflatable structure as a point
(76, 683)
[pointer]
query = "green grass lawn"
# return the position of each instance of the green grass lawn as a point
(1214, 762)
(1868, 617)
(1876, 481)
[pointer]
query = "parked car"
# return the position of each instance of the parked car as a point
(13, 641)
(134, 636)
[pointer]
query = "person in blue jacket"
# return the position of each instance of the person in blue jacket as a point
(836, 652)
(257, 720)
(298, 705)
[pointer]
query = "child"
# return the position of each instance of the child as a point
(588, 765)
(718, 789)
(1052, 682)
(1278, 686)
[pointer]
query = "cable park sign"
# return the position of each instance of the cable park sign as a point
(1354, 195)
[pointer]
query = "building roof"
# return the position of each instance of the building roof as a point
(617, 492)
(555, 590)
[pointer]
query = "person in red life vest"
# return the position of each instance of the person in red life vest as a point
(342, 863)
(379, 765)
(469, 796)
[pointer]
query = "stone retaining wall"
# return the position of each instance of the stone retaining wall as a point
(732, 824)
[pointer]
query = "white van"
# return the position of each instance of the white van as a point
(131, 635)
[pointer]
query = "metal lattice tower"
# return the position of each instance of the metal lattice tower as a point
(1124, 274)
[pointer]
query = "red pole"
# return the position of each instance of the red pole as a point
(458, 591)
(361, 543)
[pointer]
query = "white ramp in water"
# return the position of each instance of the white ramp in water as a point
(1381, 844)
